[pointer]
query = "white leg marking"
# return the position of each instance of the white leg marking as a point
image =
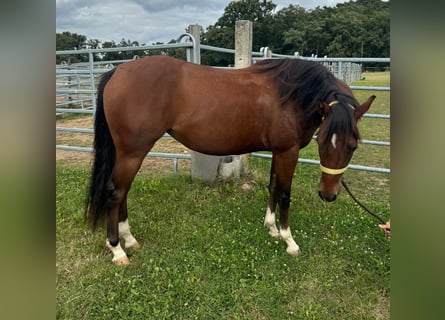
(292, 247)
(269, 222)
(124, 233)
(119, 255)
(334, 140)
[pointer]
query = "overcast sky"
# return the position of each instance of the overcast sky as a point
(147, 21)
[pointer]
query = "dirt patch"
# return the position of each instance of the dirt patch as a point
(150, 164)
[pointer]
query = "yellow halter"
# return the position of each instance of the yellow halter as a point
(332, 171)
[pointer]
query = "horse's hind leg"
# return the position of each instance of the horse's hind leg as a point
(124, 172)
(124, 227)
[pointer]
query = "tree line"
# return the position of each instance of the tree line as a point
(358, 28)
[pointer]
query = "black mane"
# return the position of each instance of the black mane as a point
(307, 84)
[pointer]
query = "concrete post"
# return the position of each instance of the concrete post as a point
(238, 164)
(243, 43)
(195, 31)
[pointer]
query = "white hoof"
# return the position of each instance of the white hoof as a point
(133, 244)
(274, 233)
(292, 248)
(269, 223)
(293, 251)
(122, 261)
(119, 256)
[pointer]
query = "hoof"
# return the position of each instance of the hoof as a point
(274, 234)
(122, 261)
(133, 245)
(136, 245)
(293, 252)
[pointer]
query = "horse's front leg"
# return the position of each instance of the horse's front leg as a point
(284, 169)
(285, 233)
(269, 219)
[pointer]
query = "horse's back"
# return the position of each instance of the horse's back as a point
(141, 77)
(207, 109)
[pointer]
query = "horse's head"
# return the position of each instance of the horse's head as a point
(337, 139)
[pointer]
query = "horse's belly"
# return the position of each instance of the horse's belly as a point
(219, 143)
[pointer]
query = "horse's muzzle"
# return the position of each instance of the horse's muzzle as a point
(328, 197)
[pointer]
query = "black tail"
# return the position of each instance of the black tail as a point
(100, 188)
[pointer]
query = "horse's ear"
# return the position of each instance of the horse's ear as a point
(360, 111)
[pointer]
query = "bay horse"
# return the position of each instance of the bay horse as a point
(274, 105)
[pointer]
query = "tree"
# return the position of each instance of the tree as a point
(376, 35)
(289, 22)
(307, 35)
(173, 52)
(222, 33)
(112, 55)
(124, 54)
(70, 41)
(347, 36)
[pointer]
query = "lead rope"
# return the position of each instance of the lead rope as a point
(375, 215)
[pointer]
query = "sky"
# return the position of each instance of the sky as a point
(147, 21)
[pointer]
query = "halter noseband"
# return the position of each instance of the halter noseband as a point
(329, 170)
(332, 171)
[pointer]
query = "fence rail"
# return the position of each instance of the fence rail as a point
(75, 87)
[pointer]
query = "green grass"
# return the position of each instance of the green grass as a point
(206, 255)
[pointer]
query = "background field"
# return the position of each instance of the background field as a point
(206, 255)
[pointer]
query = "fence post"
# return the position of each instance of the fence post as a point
(237, 165)
(92, 79)
(195, 31)
(243, 43)
(340, 71)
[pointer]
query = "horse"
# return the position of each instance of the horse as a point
(274, 105)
